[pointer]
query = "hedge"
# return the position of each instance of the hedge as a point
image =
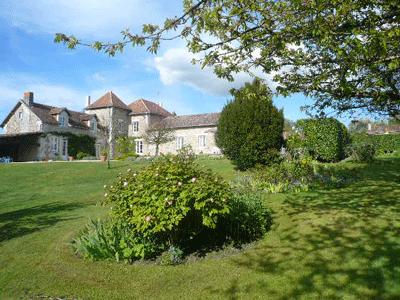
(325, 139)
(384, 143)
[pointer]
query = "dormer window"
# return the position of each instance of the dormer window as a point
(135, 126)
(62, 120)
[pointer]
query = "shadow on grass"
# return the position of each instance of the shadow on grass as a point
(28, 220)
(335, 244)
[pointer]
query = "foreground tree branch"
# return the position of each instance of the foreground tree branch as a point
(344, 54)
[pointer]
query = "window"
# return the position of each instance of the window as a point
(64, 147)
(120, 125)
(202, 141)
(135, 126)
(179, 142)
(54, 145)
(93, 125)
(63, 121)
(20, 115)
(139, 147)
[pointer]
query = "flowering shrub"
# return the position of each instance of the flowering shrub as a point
(295, 175)
(172, 199)
(171, 207)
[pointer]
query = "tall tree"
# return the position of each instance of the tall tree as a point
(157, 135)
(250, 127)
(344, 53)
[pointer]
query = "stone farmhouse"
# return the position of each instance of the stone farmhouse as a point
(35, 131)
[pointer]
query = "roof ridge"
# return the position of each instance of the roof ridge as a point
(145, 105)
(43, 105)
(202, 114)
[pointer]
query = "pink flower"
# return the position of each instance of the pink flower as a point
(194, 179)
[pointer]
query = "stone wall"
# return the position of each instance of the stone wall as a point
(119, 126)
(190, 138)
(22, 121)
(145, 121)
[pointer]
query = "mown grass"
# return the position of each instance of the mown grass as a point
(328, 243)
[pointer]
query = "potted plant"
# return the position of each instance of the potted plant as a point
(103, 154)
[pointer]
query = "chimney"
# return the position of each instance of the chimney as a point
(160, 104)
(28, 98)
(88, 101)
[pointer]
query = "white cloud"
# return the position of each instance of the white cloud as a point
(85, 18)
(13, 85)
(175, 66)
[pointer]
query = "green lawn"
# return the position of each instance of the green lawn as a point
(338, 243)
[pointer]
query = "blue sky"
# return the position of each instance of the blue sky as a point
(30, 60)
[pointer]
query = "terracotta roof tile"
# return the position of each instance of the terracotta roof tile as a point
(143, 106)
(108, 100)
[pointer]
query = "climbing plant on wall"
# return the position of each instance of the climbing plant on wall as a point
(78, 143)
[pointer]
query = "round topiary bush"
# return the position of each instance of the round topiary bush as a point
(250, 127)
(325, 139)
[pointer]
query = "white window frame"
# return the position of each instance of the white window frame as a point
(63, 121)
(180, 141)
(54, 144)
(93, 125)
(202, 140)
(135, 126)
(139, 147)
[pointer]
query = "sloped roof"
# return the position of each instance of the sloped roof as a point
(109, 99)
(58, 110)
(143, 106)
(47, 114)
(189, 121)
